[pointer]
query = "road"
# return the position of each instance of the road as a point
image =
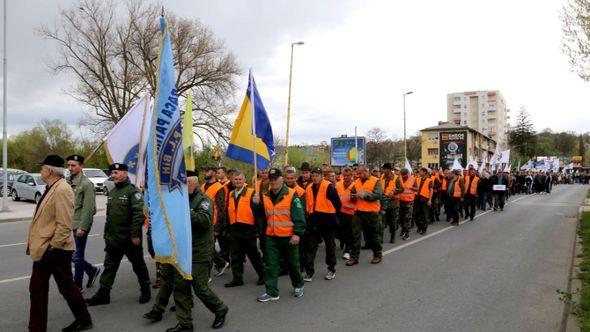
(497, 273)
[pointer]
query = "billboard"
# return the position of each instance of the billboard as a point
(343, 151)
(453, 144)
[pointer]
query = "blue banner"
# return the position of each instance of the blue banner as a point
(167, 190)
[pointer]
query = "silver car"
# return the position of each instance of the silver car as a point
(28, 187)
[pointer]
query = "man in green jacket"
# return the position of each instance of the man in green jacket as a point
(201, 211)
(84, 210)
(285, 224)
(122, 236)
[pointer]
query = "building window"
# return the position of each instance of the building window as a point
(432, 152)
(456, 98)
(433, 165)
(433, 137)
(464, 122)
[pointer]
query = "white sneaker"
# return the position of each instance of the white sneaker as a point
(265, 298)
(307, 277)
(298, 292)
(330, 275)
(346, 256)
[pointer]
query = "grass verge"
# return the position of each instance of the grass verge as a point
(583, 308)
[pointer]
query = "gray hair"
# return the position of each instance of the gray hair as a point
(290, 170)
(57, 171)
(239, 173)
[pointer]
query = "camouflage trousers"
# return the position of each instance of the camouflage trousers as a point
(405, 216)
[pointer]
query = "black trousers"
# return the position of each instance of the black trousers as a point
(345, 229)
(319, 230)
(113, 259)
(455, 206)
(56, 263)
(470, 205)
(240, 247)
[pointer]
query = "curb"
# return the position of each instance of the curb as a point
(569, 322)
(28, 218)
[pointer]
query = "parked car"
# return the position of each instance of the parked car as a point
(28, 187)
(108, 186)
(12, 175)
(97, 176)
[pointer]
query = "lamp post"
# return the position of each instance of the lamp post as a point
(4, 132)
(405, 141)
(289, 103)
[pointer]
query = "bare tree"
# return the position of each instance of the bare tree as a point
(376, 135)
(114, 59)
(576, 36)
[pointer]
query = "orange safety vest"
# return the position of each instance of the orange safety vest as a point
(321, 203)
(241, 213)
(212, 192)
(366, 188)
(444, 183)
(425, 190)
(300, 191)
(390, 186)
(344, 193)
(408, 194)
(472, 186)
(278, 217)
(457, 189)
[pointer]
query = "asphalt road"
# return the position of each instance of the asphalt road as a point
(498, 273)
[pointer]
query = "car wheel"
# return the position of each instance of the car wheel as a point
(37, 198)
(15, 196)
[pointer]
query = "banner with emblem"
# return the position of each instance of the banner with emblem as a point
(127, 141)
(167, 191)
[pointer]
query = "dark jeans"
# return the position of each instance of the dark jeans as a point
(500, 197)
(80, 264)
(242, 246)
(319, 230)
(345, 221)
(56, 263)
(455, 206)
(470, 203)
(421, 213)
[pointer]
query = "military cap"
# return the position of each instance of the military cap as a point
(76, 157)
(190, 173)
(118, 167)
(305, 166)
(53, 160)
(274, 173)
(316, 170)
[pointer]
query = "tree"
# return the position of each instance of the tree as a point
(113, 58)
(582, 148)
(376, 135)
(522, 136)
(576, 36)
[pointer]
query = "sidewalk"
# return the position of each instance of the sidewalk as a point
(24, 210)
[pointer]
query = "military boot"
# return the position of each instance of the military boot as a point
(102, 296)
(146, 294)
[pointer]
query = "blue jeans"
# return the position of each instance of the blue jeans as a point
(80, 264)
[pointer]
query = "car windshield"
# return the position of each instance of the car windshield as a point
(94, 173)
(39, 180)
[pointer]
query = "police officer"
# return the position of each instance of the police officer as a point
(84, 210)
(122, 236)
(201, 210)
(285, 226)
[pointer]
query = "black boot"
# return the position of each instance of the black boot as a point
(146, 294)
(78, 326)
(153, 316)
(233, 283)
(102, 296)
(179, 328)
(219, 319)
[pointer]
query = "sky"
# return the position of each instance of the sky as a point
(359, 57)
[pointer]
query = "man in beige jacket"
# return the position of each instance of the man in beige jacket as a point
(50, 244)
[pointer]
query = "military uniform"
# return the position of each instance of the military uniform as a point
(125, 219)
(367, 214)
(84, 211)
(201, 211)
(390, 205)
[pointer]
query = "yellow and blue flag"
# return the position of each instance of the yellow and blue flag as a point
(167, 191)
(252, 124)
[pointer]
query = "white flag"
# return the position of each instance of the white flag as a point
(127, 141)
(456, 165)
(504, 157)
(408, 166)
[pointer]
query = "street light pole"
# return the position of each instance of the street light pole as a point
(405, 140)
(289, 103)
(4, 132)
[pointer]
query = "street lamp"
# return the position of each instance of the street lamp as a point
(4, 132)
(289, 103)
(405, 141)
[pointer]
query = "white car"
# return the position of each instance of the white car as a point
(28, 187)
(97, 176)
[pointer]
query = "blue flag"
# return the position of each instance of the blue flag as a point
(167, 190)
(252, 124)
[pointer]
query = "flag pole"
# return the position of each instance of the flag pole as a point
(93, 151)
(251, 83)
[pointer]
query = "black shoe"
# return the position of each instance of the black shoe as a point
(78, 326)
(260, 281)
(219, 320)
(101, 297)
(392, 238)
(153, 316)
(146, 294)
(233, 283)
(471, 219)
(455, 223)
(179, 328)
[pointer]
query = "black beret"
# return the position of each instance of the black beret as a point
(274, 173)
(190, 173)
(53, 160)
(118, 167)
(305, 166)
(76, 157)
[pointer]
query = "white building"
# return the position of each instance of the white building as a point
(484, 111)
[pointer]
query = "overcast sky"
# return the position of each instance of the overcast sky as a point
(358, 59)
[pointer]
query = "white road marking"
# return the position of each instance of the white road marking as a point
(24, 243)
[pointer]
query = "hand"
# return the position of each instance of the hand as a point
(382, 212)
(135, 240)
(429, 203)
(294, 240)
(80, 232)
(256, 198)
